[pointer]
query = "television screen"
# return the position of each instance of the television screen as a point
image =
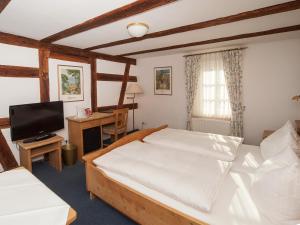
(34, 119)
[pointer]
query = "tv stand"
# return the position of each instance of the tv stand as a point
(52, 146)
(39, 138)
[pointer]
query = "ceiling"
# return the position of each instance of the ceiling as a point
(39, 19)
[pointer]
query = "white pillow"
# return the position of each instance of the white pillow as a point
(276, 189)
(279, 140)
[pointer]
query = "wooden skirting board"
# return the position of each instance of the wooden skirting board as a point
(137, 206)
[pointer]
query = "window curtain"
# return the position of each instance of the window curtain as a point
(192, 71)
(211, 99)
(232, 62)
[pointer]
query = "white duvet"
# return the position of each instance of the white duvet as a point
(214, 145)
(190, 178)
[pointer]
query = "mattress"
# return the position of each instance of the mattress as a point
(26, 200)
(234, 204)
(193, 179)
(214, 145)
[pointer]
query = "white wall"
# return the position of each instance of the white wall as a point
(109, 91)
(162, 109)
(271, 77)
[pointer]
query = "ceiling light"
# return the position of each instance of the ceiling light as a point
(137, 29)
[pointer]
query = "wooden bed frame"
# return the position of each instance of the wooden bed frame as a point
(137, 206)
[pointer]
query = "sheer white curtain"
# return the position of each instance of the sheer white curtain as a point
(212, 99)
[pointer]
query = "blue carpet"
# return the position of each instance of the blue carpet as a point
(70, 186)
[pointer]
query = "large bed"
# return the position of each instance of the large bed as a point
(140, 200)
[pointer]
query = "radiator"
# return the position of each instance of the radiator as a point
(211, 126)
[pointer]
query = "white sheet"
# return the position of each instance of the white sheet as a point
(215, 145)
(25, 200)
(190, 178)
(234, 205)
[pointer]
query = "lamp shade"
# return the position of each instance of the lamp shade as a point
(134, 88)
(137, 29)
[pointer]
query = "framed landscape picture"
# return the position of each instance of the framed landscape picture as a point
(70, 83)
(163, 80)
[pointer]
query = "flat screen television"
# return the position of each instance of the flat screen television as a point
(36, 119)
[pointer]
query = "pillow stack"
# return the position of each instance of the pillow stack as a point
(276, 189)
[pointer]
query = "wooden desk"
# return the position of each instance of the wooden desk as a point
(39, 148)
(76, 127)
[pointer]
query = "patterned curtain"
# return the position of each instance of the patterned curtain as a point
(232, 63)
(192, 72)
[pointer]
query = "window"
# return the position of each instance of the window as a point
(212, 99)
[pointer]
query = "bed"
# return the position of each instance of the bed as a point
(148, 206)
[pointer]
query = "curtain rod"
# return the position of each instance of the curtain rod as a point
(216, 51)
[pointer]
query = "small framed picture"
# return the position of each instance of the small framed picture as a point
(70, 83)
(163, 80)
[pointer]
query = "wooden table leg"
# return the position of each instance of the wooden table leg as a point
(25, 159)
(55, 159)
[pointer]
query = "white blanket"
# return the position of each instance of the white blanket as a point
(190, 178)
(214, 145)
(24, 200)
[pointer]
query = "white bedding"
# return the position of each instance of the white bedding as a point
(25, 200)
(234, 205)
(215, 145)
(190, 178)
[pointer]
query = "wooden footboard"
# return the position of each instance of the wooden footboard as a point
(137, 206)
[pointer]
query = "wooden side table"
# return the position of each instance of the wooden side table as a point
(39, 148)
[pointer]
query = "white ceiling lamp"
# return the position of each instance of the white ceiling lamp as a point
(137, 29)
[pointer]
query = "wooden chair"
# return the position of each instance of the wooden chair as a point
(120, 125)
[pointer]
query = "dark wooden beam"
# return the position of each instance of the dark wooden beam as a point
(94, 101)
(124, 84)
(126, 11)
(12, 39)
(217, 40)
(70, 58)
(83, 53)
(18, 71)
(44, 74)
(113, 107)
(274, 9)
(4, 123)
(17, 40)
(114, 77)
(3, 4)
(7, 159)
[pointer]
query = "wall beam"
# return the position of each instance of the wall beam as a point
(94, 100)
(44, 74)
(18, 71)
(7, 159)
(3, 4)
(4, 123)
(114, 77)
(124, 84)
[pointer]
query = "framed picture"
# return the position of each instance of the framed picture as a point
(70, 83)
(163, 80)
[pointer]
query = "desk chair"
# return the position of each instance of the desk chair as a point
(120, 125)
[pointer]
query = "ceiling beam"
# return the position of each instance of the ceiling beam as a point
(126, 11)
(274, 9)
(217, 40)
(12, 39)
(3, 4)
